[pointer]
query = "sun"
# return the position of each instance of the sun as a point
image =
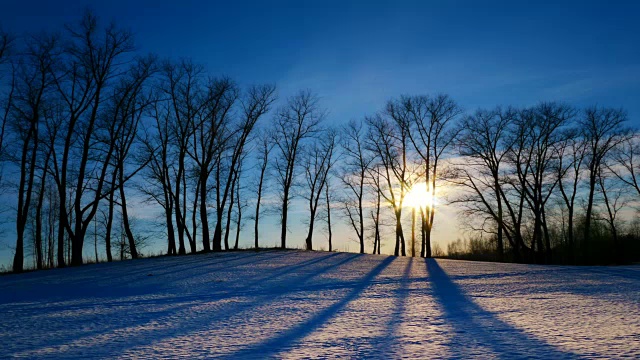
(418, 197)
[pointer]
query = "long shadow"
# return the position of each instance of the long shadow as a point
(172, 315)
(184, 326)
(389, 340)
(275, 345)
(102, 289)
(287, 269)
(475, 329)
(91, 272)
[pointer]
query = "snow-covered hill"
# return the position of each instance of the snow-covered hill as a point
(294, 304)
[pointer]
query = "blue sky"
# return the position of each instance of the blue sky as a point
(358, 54)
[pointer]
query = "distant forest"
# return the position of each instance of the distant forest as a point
(88, 123)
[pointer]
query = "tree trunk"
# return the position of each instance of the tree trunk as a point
(423, 225)
(255, 229)
(587, 220)
(230, 211)
(204, 220)
(283, 229)
(125, 217)
(25, 192)
(239, 222)
(413, 232)
(39, 204)
(329, 225)
(500, 222)
(309, 240)
(107, 237)
(171, 236)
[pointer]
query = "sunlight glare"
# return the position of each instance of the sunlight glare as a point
(419, 197)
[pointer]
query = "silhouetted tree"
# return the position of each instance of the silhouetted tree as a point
(570, 166)
(626, 165)
(157, 148)
(602, 129)
(6, 41)
(389, 141)
(255, 104)
(432, 130)
(533, 156)
(317, 161)
(130, 103)
(264, 149)
(90, 63)
(483, 144)
(355, 165)
(296, 121)
(614, 200)
(31, 97)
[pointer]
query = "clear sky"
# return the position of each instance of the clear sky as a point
(358, 54)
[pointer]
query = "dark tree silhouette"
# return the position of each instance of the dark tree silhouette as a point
(90, 63)
(264, 149)
(296, 121)
(255, 104)
(602, 129)
(389, 141)
(32, 96)
(483, 145)
(317, 161)
(355, 165)
(432, 130)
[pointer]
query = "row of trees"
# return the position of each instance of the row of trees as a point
(87, 124)
(532, 175)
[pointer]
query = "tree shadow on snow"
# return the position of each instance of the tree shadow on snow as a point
(116, 297)
(389, 344)
(127, 282)
(273, 346)
(184, 325)
(475, 330)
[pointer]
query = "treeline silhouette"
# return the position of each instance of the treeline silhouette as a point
(87, 123)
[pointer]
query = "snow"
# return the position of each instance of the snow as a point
(295, 304)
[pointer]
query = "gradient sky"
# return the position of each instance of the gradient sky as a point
(358, 54)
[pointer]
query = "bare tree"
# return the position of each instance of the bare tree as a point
(602, 129)
(265, 146)
(571, 155)
(255, 104)
(317, 161)
(355, 166)
(626, 165)
(389, 141)
(34, 81)
(183, 87)
(208, 140)
(614, 199)
(158, 186)
(130, 103)
(84, 74)
(483, 146)
(533, 156)
(297, 120)
(431, 129)
(6, 41)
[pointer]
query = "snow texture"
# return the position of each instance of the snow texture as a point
(295, 304)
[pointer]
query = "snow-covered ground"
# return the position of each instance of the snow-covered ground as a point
(294, 304)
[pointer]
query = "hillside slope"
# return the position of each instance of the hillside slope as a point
(296, 304)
